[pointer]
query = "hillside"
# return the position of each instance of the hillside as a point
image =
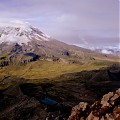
(54, 99)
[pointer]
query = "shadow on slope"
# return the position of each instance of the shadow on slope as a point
(26, 100)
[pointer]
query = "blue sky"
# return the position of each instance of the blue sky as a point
(80, 22)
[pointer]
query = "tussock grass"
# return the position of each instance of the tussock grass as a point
(45, 69)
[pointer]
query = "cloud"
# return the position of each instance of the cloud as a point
(68, 20)
(104, 51)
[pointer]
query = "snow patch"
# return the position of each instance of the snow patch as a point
(20, 32)
(45, 35)
(14, 23)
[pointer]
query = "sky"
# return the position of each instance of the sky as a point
(87, 23)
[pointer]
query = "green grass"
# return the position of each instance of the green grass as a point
(40, 69)
(45, 69)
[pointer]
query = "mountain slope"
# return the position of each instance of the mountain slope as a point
(21, 42)
(43, 58)
(37, 71)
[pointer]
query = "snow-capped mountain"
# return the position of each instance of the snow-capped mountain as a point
(20, 32)
(22, 43)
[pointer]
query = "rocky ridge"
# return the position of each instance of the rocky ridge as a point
(106, 109)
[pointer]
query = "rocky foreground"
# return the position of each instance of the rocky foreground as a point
(22, 100)
(15, 105)
(108, 108)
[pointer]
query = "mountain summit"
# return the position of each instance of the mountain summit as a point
(20, 32)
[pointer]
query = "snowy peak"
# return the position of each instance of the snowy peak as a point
(14, 23)
(20, 32)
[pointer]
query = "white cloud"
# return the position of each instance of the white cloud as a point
(68, 20)
(104, 51)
